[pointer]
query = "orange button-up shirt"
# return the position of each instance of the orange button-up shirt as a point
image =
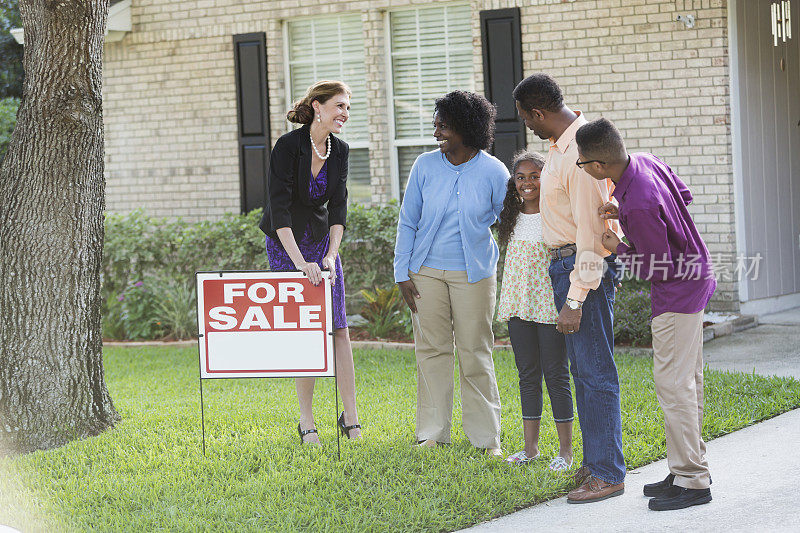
(569, 201)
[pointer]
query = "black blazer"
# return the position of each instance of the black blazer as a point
(288, 202)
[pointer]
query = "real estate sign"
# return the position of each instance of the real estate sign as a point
(264, 324)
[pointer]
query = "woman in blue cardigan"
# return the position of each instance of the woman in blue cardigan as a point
(445, 264)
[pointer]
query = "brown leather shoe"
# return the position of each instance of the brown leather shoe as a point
(580, 475)
(594, 490)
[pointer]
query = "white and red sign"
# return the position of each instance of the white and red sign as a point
(264, 324)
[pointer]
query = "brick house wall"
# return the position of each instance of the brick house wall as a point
(665, 86)
(170, 103)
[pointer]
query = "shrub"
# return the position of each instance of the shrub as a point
(112, 324)
(384, 311)
(175, 307)
(8, 119)
(632, 314)
(164, 255)
(149, 265)
(500, 329)
(137, 245)
(155, 307)
(367, 249)
(138, 317)
(407, 326)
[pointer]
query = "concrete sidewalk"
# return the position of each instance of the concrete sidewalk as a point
(771, 348)
(755, 469)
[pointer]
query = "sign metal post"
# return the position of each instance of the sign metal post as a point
(254, 324)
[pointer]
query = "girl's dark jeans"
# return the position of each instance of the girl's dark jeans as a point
(540, 350)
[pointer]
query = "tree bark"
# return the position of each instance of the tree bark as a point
(52, 198)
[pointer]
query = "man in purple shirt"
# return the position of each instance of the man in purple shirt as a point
(665, 249)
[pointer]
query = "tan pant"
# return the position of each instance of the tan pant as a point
(449, 307)
(678, 374)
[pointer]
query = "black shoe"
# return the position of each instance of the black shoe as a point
(657, 489)
(304, 433)
(676, 497)
(346, 429)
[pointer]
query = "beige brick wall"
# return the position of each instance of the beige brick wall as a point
(170, 140)
(170, 107)
(375, 49)
(664, 85)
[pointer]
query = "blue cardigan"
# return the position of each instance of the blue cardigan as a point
(479, 186)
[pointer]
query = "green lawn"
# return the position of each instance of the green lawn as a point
(149, 474)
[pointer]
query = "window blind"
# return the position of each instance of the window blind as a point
(431, 54)
(333, 48)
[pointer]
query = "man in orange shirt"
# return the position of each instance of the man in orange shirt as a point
(583, 276)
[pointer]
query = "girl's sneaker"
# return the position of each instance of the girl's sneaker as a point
(520, 458)
(559, 464)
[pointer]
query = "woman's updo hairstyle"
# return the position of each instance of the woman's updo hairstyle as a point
(303, 113)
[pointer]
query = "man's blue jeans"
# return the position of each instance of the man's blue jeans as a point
(590, 351)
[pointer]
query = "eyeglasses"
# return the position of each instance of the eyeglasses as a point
(580, 163)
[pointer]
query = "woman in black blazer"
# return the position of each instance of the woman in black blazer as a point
(307, 170)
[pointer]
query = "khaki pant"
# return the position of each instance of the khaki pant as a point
(678, 374)
(451, 308)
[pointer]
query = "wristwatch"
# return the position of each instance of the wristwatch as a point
(574, 304)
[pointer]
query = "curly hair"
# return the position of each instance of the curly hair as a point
(470, 115)
(539, 91)
(512, 202)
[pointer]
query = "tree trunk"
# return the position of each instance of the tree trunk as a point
(52, 198)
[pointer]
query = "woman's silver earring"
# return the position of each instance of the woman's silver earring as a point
(319, 119)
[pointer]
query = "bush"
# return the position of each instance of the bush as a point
(632, 314)
(384, 312)
(149, 266)
(367, 249)
(175, 310)
(8, 119)
(138, 302)
(137, 246)
(112, 325)
(131, 314)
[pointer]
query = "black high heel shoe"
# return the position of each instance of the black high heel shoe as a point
(304, 433)
(346, 429)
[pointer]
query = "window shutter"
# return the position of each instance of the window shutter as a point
(250, 67)
(502, 70)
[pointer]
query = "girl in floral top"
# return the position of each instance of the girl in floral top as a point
(526, 302)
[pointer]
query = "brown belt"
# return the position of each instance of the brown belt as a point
(564, 251)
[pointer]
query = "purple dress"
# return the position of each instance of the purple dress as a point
(312, 251)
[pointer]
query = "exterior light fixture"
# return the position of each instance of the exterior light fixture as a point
(781, 21)
(686, 19)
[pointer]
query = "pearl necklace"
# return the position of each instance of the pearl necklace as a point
(314, 146)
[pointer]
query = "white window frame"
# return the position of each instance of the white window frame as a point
(394, 143)
(287, 72)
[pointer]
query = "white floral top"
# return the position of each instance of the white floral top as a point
(526, 291)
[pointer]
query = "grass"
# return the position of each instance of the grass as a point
(149, 473)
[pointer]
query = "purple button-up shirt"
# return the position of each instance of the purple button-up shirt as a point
(665, 246)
